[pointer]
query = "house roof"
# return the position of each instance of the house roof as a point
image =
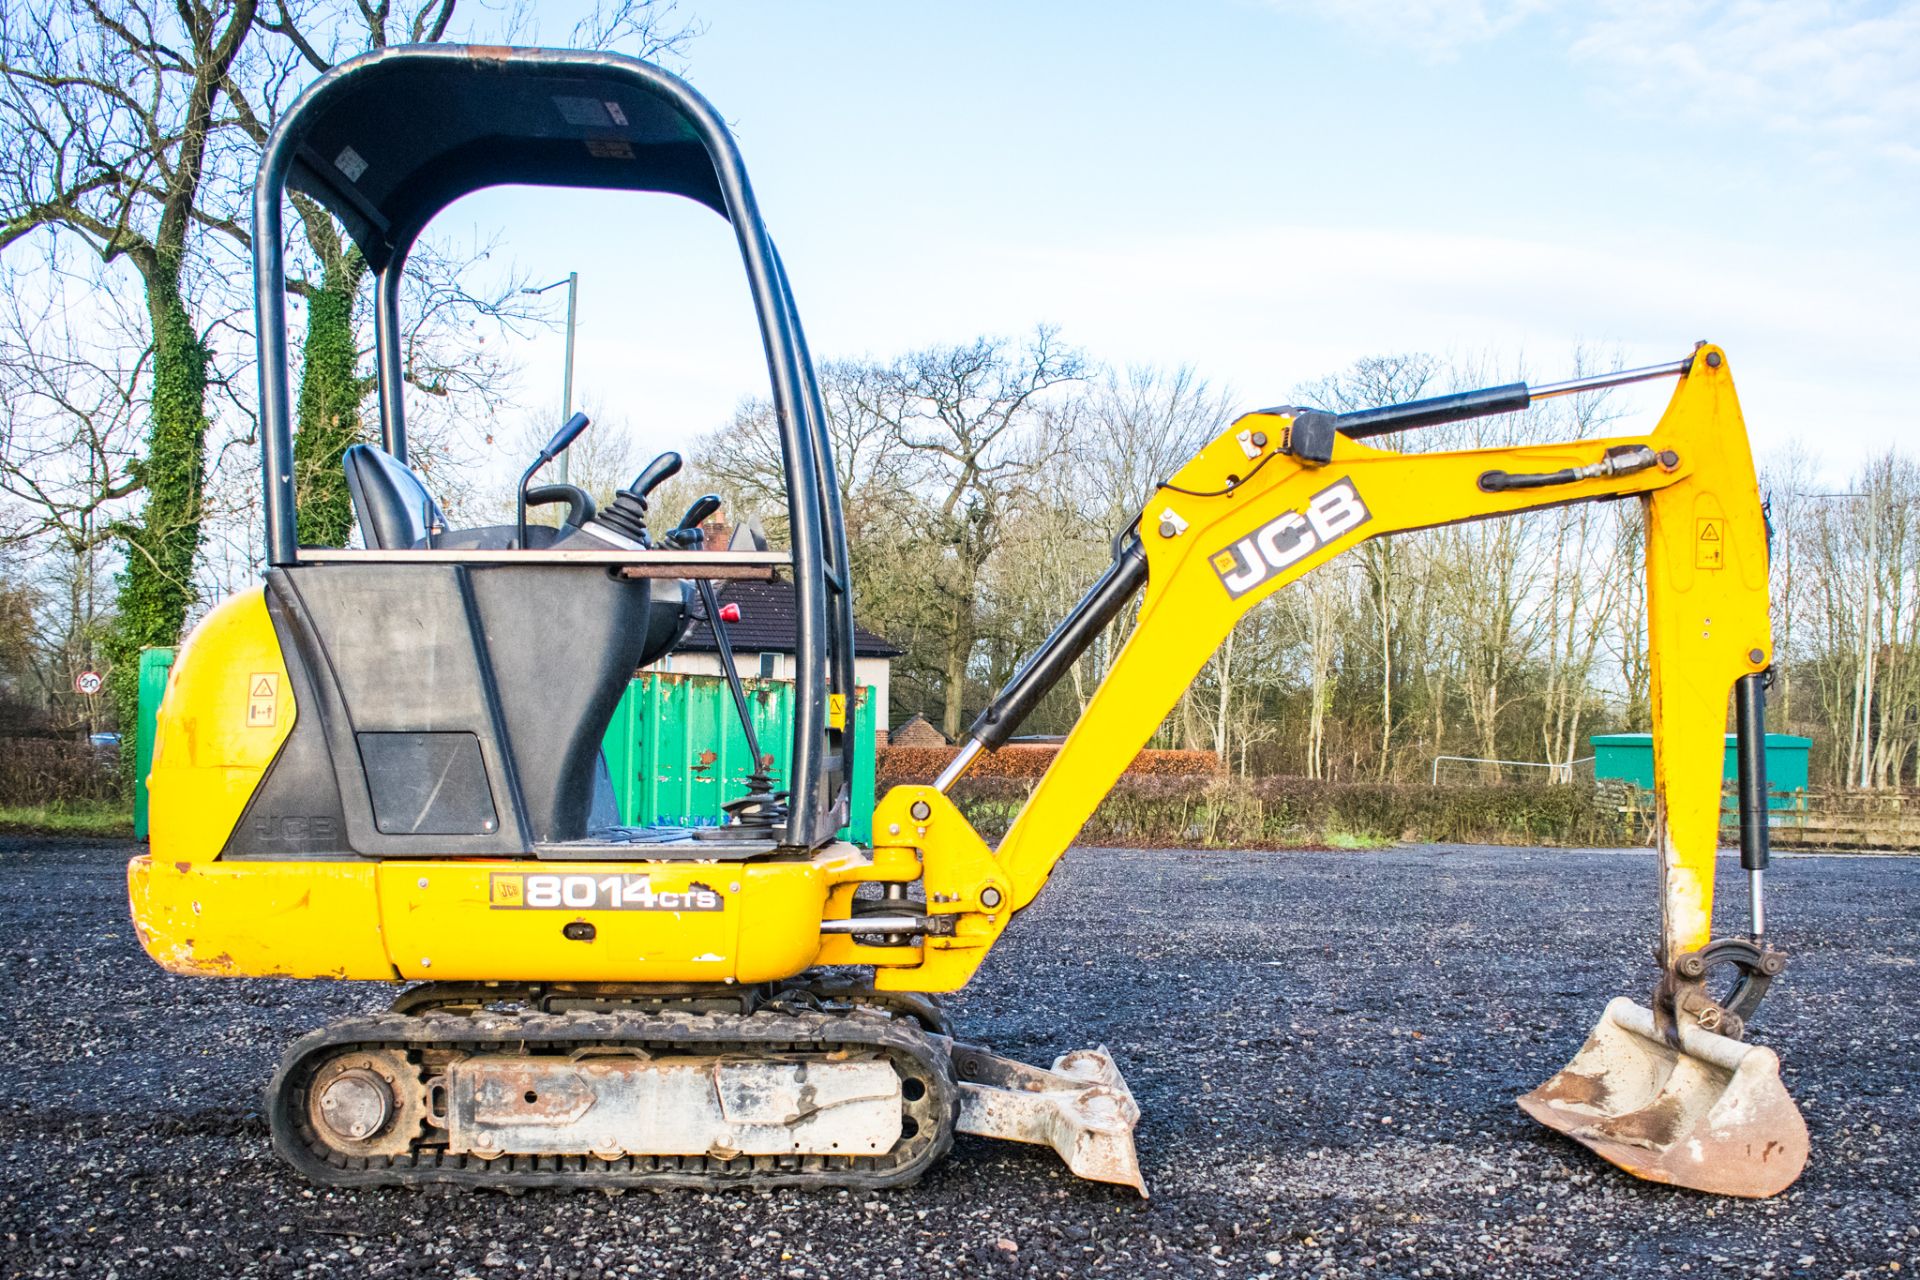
(767, 623)
(917, 730)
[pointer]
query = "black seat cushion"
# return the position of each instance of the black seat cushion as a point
(392, 505)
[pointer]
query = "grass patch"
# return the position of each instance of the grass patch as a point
(1355, 840)
(71, 818)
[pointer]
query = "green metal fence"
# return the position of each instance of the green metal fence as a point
(677, 752)
(155, 666)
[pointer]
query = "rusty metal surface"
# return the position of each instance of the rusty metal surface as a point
(1710, 1114)
(1082, 1109)
(615, 1105)
(369, 1103)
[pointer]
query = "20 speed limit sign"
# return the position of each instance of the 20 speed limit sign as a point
(88, 683)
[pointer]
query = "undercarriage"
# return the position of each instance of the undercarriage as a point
(603, 1085)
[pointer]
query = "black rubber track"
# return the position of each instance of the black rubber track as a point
(559, 1034)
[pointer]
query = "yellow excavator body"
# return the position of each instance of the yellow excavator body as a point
(381, 764)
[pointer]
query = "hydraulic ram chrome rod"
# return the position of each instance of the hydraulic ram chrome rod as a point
(1510, 398)
(1598, 381)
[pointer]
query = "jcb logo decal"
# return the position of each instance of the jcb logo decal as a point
(1290, 537)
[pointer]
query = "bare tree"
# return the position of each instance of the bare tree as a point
(1371, 382)
(109, 114)
(978, 421)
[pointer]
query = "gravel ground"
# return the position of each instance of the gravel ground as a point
(1326, 1047)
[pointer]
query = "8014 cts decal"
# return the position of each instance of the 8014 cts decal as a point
(1290, 537)
(515, 891)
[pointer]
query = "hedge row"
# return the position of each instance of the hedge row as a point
(1282, 812)
(39, 771)
(899, 766)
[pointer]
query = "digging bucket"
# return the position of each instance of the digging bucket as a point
(1711, 1114)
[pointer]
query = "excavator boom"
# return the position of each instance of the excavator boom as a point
(1281, 493)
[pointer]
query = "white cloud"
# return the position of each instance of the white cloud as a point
(1435, 27)
(1842, 74)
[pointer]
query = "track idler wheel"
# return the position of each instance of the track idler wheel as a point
(370, 1103)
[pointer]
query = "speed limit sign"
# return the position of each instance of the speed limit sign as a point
(88, 683)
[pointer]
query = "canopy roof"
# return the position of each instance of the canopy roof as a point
(389, 140)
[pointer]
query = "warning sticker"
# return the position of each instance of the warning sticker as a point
(263, 700)
(1710, 543)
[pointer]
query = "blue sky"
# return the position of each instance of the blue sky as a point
(1270, 190)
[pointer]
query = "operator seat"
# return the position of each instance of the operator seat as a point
(396, 513)
(394, 508)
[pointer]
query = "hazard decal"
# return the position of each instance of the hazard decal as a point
(263, 700)
(1710, 543)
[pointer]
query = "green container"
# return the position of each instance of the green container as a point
(674, 746)
(1628, 757)
(155, 666)
(677, 753)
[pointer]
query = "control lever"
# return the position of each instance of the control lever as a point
(627, 517)
(580, 505)
(569, 432)
(698, 514)
(761, 807)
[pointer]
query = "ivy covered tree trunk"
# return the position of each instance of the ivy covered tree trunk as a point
(156, 586)
(331, 392)
(114, 109)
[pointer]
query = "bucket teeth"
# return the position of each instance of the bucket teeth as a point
(1711, 1114)
(1082, 1108)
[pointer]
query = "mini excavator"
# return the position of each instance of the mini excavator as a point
(382, 763)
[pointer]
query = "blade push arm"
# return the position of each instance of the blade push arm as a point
(1240, 521)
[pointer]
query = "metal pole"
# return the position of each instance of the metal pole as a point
(566, 388)
(566, 384)
(970, 750)
(389, 372)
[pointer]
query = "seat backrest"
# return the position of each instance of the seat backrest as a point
(392, 505)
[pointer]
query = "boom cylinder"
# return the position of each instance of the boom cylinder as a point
(1487, 401)
(1102, 603)
(1750, 727)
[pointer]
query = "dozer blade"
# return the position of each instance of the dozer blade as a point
(1711, 1115)
(1082, 1109)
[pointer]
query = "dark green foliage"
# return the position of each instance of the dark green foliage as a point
(329, 409)
(156, 587)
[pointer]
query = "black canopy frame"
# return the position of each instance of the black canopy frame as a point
(386, 141)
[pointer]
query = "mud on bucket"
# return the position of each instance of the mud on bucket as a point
(1711, 1115)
